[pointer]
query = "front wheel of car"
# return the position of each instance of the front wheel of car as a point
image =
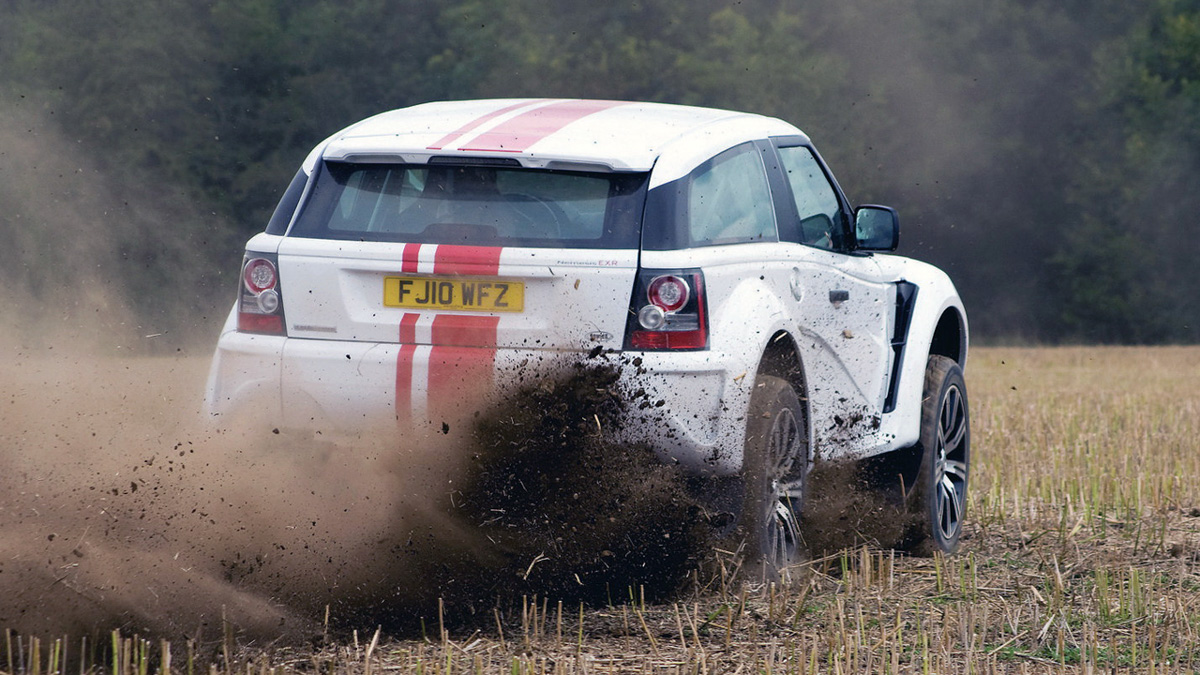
(775, 467)
(938, 503)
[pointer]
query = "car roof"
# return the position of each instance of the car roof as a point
(553, 133)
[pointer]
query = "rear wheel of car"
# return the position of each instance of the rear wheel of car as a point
(939, 501)
(774, 473)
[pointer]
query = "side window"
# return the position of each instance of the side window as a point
(728, 200)
(282, 216)
(821, 218)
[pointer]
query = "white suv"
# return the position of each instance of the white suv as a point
(427, 254)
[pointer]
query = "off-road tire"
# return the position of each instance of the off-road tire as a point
(938, 501)
(776, 464)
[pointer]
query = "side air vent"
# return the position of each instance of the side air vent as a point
(906, 302)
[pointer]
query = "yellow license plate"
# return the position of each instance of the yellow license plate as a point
(476, 295)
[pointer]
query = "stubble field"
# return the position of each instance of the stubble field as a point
(1082, 549)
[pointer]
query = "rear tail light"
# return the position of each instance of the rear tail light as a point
(668, 311)
(668, 292)
(259, 275)
(260, 306)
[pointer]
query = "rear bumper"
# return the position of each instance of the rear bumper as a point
(689, 406)
(331, 387)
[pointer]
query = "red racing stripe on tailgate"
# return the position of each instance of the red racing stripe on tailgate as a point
(458, 330)
(409, 259)
(404, 367)
(464, 353)
(520, 132)
(461, 363)
(474, 124)
(467, 260)
(408, 329)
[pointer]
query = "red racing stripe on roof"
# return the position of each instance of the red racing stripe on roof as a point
(522, 131)
(474, 124)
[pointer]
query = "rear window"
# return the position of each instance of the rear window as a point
(475, 205)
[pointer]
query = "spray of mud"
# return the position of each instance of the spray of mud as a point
(569, 511)
(860, 503)
(118, 511)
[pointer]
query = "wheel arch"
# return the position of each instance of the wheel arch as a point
(950, 337)
(781, 358)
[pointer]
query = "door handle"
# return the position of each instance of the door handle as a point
(839, 296)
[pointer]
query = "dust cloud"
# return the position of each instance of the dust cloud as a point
(119, 510)
(99, 256)
(119, 506)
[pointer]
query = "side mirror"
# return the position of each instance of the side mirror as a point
(876, 228)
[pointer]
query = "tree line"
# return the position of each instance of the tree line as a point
(1044, 152)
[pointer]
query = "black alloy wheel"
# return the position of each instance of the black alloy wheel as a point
(775, 470)
(939, 502)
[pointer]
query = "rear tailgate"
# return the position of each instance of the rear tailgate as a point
(465, 314)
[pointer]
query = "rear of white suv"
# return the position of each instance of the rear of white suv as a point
(426, 257)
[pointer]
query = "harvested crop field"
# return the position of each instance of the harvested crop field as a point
(209, 552)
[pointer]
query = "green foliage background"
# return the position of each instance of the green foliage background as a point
(1044, 152)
